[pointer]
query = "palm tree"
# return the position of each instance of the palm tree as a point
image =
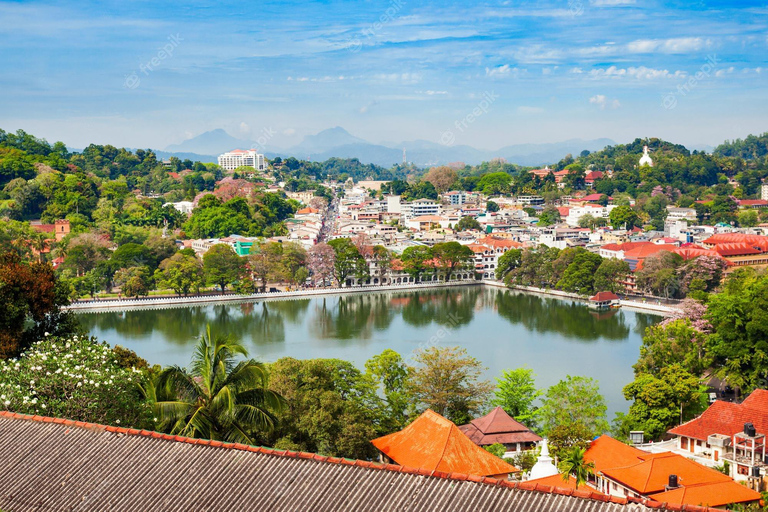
(574, 464)
(219, 398)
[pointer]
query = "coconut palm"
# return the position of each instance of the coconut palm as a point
(574, 464)
(218, 398)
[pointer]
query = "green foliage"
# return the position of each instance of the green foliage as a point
(574, 400)
(468, 223)
(263, 217)
(219, 398)
(330, 408)
(491, 206)
(222, 266)
(550, 215)
(416, 261)
(452, 256)
(389, 376)
(496, 449)
(624, 217)
(662, 402)
(348, 262)
(670, 343)
(516, 393)
(569, 436)
(447, 380)
(181, 273)
(579, 275)
(75, 378)
(574, 464)
(508, 262)
(610, 275)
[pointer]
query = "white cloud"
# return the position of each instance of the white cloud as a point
(603, 101)
(673, 45)
(244, 128)
(723, 72)
(432, 93)
(503, 70)
(640, 73)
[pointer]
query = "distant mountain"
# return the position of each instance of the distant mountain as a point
(338, 142)
(213, 142)
(325, 140)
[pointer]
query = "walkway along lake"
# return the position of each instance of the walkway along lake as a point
(502, 328)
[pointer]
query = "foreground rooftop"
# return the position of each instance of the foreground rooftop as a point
(57, 464)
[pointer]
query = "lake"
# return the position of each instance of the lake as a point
(501, 328)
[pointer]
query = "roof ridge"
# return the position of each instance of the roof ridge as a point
(351, 462)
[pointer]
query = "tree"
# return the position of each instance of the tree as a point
(441, 178)
(320, 260)
(134, 281)
(293, 258)
(452, 256)
(515, 393)
(446, 380)
(659, 274)
(264, 263)
(566, 437)
(348, 261)
(624, 217)
(32, 297)
(491, 206)
(468, 223)
(550, 215)
(670, 343)
(748, 219)
(611, 275)
(579, 275)
(331, 408)
(574, 400)
(389, 375)
(494, 183)
(574, 464)
(222, 266)
(133, 255)
(416, 260)
(219, 398)
(181, 273)
(382, 260)
(508, 262)
(663, 401)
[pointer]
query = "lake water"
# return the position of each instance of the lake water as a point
(501, 328)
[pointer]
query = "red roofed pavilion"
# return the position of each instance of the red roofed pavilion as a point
(434, 443)
(499, 427)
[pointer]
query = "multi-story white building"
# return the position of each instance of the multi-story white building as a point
(419, 208)
(242, 158)
(764, 192)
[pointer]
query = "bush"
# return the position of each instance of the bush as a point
(76, 378)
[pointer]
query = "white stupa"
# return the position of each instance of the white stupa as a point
(646, 158)
(544, 466)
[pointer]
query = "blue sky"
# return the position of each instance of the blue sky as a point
(392, 70)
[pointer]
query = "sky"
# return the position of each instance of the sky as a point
(149, 74)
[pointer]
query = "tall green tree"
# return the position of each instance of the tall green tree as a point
(416, 261)
(574, 464)
(222, 266)
(181, 273)
(348, 261)
(219, 398)
(574, 400)
(452, 256)
(624, 217)
(516, 393)
(611, 275)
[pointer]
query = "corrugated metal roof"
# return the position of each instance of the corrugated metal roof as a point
(55, 464)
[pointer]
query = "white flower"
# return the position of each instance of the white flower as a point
(117, 421)
(7, 402)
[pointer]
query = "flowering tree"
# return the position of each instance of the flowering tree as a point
(321, 258)
(703, 273)
(76, 378)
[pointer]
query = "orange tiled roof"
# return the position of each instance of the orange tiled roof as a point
(627, 246)
(711, 495)
(498, 242)
(728, 418)
(647, 250)
(757, 241)
(651, 475)
(736, 249)
(558, 482)
(434, 443)
(606, 452)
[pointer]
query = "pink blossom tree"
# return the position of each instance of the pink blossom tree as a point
(320, 260)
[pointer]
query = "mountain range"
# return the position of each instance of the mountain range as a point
(338, 142)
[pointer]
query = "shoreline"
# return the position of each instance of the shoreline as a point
(179, 302)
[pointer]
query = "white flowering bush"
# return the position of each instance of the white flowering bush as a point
(76, 378)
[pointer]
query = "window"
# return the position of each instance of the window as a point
(684, 443)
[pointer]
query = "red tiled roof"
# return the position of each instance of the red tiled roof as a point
(728, 418)
(756, 241)
(606, 452)
(603, 297)
(432, 442)
(752, 202)
(594, 197)
(43, 228)
(624, 247)
(498, 427)
(647, 250)
(735, 249)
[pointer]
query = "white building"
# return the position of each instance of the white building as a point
(674, 214)
(597, 211)
(184, 207)
(646, 158)
(242, 158)
(419, 208)
(764, 192)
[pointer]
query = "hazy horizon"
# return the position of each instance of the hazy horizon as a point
(151, 75)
